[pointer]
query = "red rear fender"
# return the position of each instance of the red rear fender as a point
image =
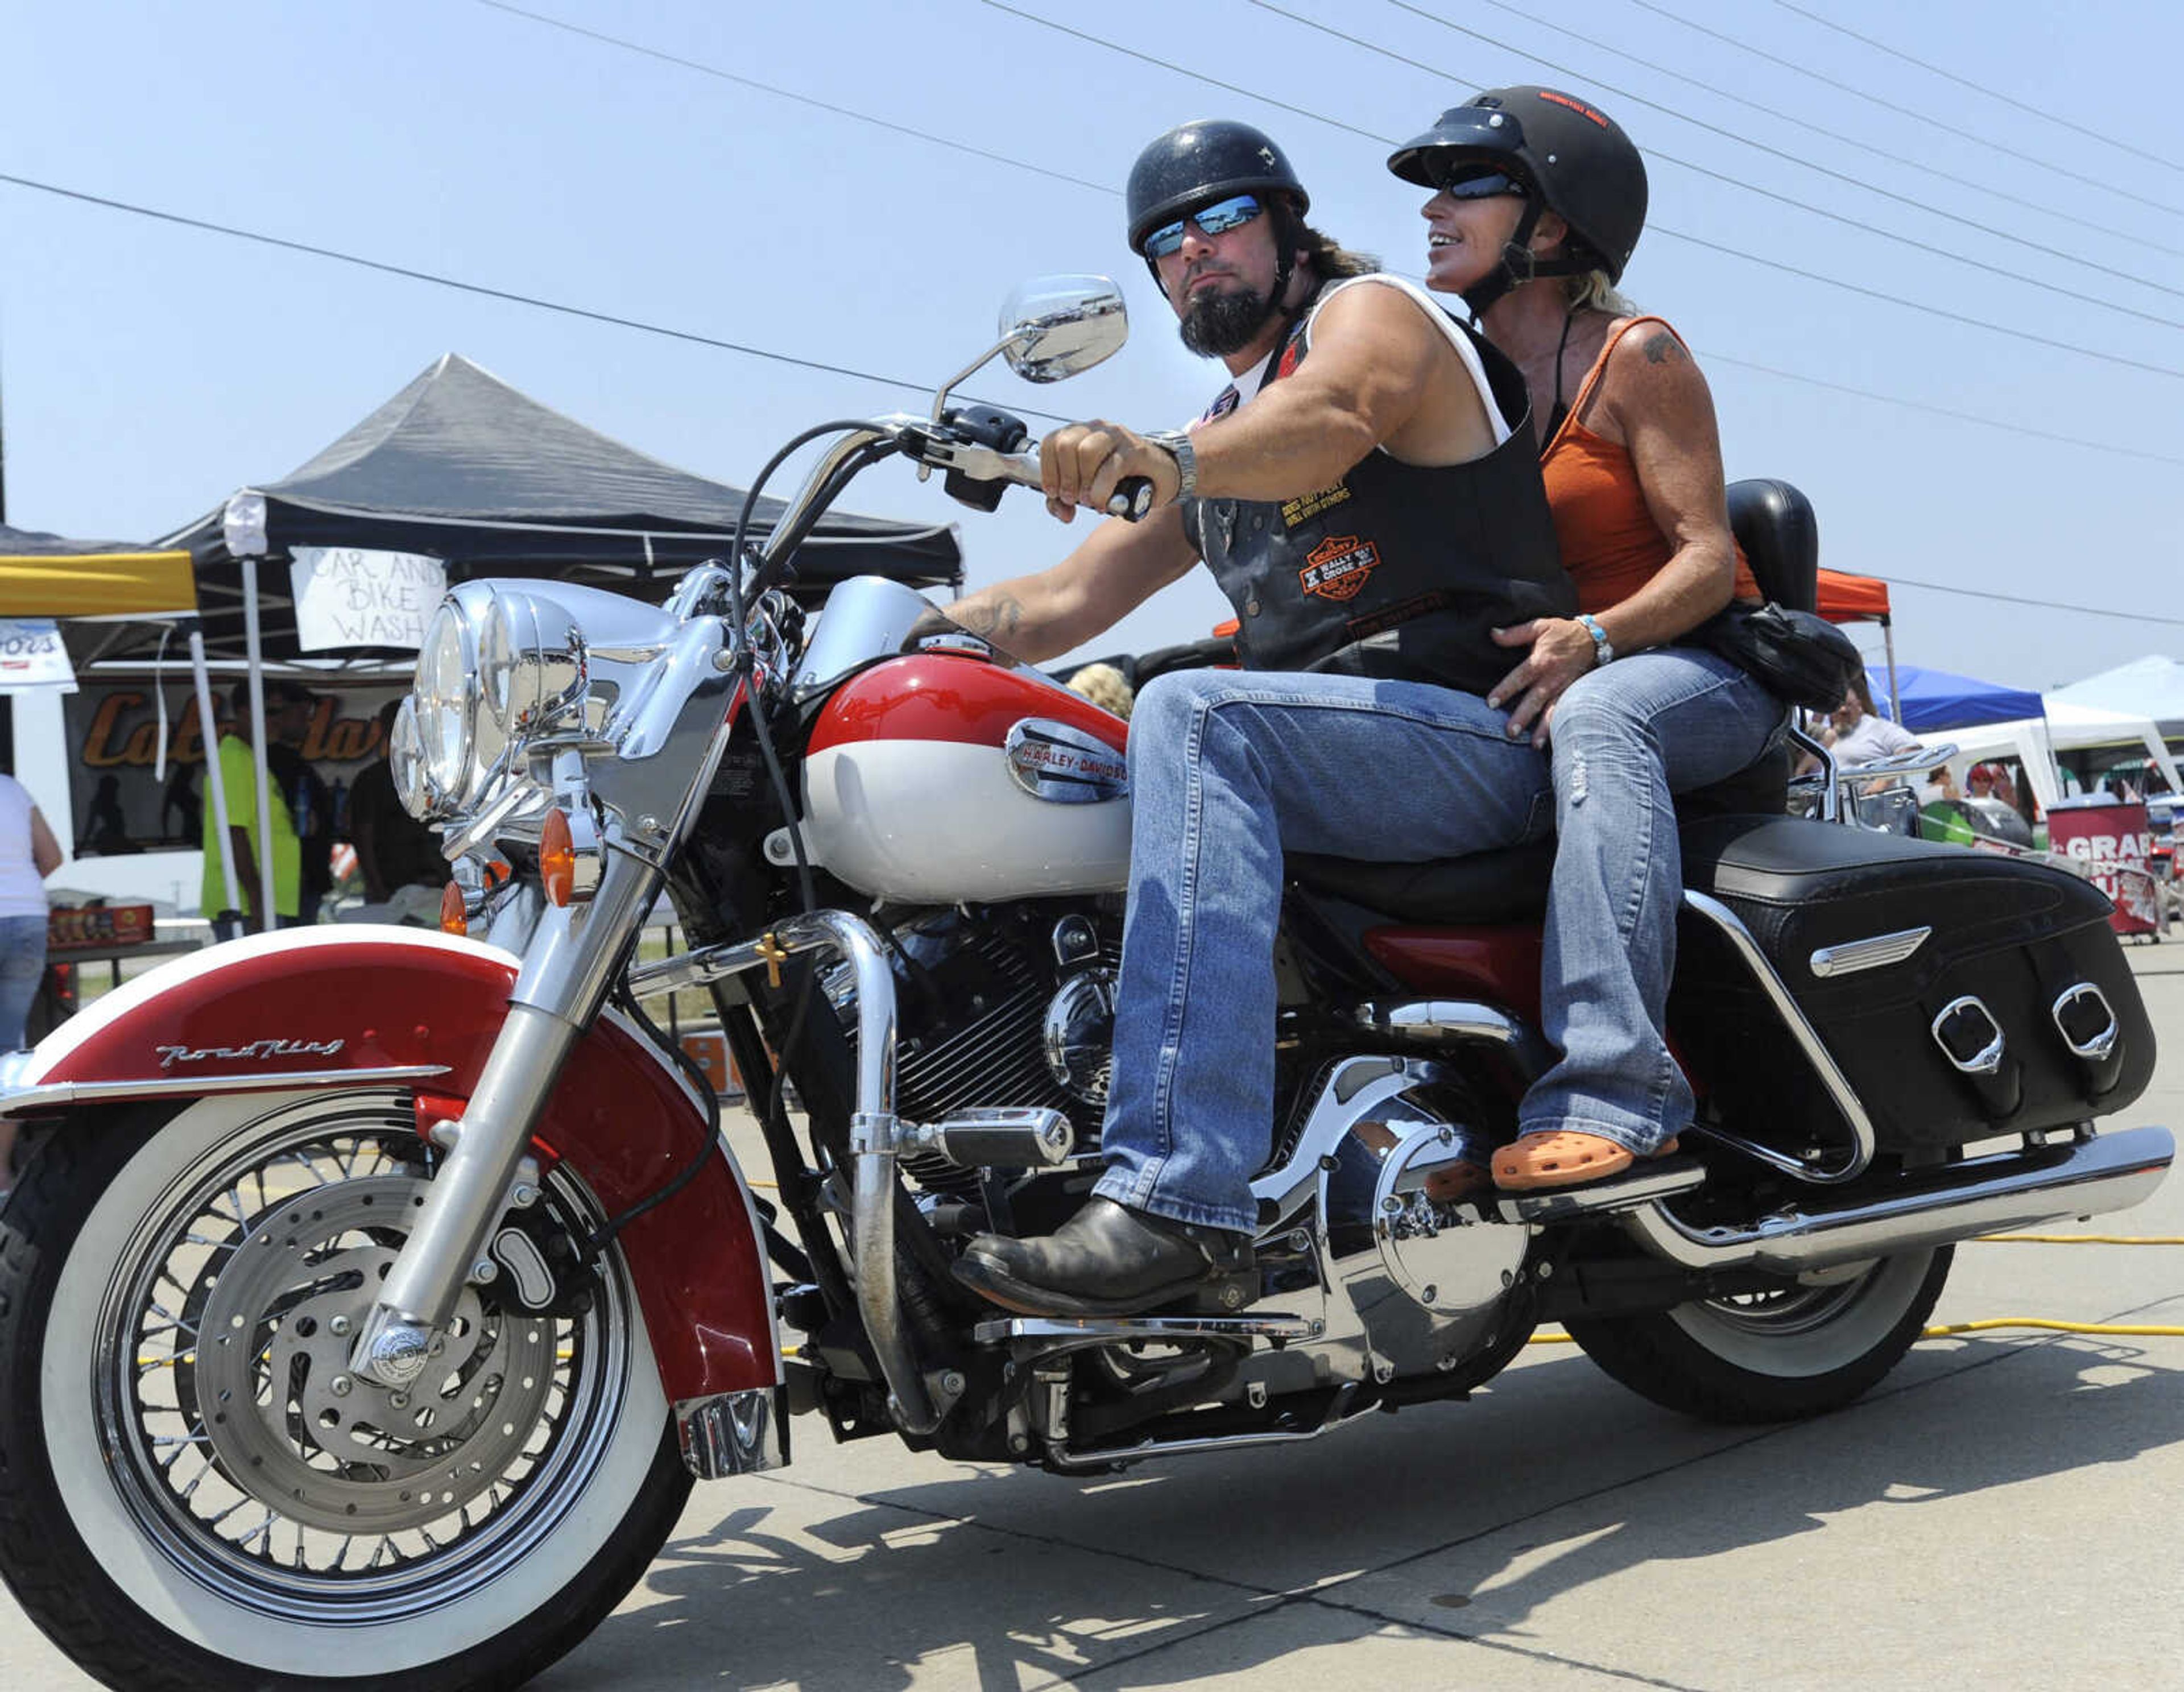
(317, 1006)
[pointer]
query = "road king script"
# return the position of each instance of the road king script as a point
(253, 1051)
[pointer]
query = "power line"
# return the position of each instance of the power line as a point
(2014, 332)
(857, 115)
(2045, 116)
(487, 292)
(690, 337)
(2038, 604)
(716, 72)
(2045, 208)
(1257, 94)
(2101, 447)
(1913, 112)
(1844, 177)
(1898, 400)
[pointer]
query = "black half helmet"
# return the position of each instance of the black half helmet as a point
(1576, 158)
(1196, 163)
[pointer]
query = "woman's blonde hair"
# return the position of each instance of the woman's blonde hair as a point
(1594, 291)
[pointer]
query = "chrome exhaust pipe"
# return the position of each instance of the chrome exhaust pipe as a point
(1925, 1208)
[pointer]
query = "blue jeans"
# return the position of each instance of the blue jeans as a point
(22, 967)
(1624, 739)
(1229, 770)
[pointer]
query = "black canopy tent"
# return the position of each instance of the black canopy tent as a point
(461, 467)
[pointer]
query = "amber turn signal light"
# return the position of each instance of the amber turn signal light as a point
(557, 858)
(454, 918)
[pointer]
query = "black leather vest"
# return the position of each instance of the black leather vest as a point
(1397, 570)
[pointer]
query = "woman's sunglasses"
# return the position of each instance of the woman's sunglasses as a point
(1477, 182)
(1217, 219)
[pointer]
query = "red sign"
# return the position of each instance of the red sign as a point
(2110, 838)
(68, 928)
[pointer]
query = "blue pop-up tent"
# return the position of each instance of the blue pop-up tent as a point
(1933, 699)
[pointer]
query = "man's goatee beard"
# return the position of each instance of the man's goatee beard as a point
(1219, 323)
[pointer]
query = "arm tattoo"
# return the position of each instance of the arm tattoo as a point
(999, 613)
(988, 614)
(1664, 349)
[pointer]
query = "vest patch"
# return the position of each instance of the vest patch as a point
(1304, 509)
(1338, 567)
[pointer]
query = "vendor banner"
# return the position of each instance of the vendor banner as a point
(352, 596)
(31, 655)
(2111, 839)
(120, 803)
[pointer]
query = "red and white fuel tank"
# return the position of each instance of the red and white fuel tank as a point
(943, 776)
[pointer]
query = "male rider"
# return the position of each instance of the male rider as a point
(1366, 492)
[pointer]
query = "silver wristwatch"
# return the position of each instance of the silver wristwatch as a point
(1603, 653)
(1177, 445)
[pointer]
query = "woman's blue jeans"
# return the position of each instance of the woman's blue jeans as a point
(22, 967)
(1230, 769)
(1625, 739)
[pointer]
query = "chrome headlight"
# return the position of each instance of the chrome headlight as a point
(531, 664)
(447, 671)
(405, 762)
(458, 743)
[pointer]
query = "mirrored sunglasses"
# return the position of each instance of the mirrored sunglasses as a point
(1217, 219)
(1477, 182)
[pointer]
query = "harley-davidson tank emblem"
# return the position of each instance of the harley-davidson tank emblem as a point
(251, 1051)
(1052, 761)
(1337, 568)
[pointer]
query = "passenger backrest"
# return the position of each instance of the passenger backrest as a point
(1774, 525)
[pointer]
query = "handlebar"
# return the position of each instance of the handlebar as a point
(1132, 499)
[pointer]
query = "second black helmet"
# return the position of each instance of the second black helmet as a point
(1198, 163)
(1574, 156)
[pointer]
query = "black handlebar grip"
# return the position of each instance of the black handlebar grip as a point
(1132, 498)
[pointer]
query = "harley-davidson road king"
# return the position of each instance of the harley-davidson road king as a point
(370, 1297)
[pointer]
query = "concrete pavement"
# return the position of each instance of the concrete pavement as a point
(1999, 1513)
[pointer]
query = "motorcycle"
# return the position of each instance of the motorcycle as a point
(370, 1299)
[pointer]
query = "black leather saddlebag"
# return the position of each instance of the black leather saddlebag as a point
(1880, 938)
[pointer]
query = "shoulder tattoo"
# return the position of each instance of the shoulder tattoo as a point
(1664, 348)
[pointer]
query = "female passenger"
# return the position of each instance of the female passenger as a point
(1539, 200)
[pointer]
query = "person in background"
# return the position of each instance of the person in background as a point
(105, 830)
(1862, 734)
(28, 855)
(398, 857)
(182, 799)
(289, 705)
(238, 774)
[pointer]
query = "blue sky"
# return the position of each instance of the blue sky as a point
(147, 369)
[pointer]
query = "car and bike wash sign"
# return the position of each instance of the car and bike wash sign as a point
(348, 597)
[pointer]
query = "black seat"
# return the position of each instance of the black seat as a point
(1774, 525)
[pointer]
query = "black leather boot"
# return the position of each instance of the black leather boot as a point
(1109, 1260)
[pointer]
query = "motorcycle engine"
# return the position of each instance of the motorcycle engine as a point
(1010, 1006)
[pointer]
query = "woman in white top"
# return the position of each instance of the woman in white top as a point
(28, 855)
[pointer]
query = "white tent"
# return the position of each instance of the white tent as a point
(2069, 726)
(2146, 686)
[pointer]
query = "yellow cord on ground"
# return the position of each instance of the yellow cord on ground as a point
(1943, 1331)
(2077, 1239)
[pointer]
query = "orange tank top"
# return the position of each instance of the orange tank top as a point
(1611, 545)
